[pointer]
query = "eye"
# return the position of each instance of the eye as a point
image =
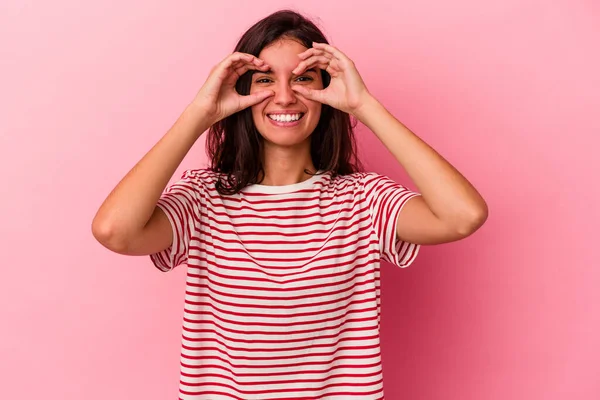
(263, 80)
(307, 78)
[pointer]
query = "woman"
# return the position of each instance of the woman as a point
(283, 235)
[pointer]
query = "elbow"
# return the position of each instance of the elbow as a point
(475, 221)
(104, 234)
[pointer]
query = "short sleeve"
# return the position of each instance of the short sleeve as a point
(181, 204)
(386, 199)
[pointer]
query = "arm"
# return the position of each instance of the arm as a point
(129, 221)
(450, 208)
(120, 222)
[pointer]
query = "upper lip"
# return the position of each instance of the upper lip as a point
(285, 112)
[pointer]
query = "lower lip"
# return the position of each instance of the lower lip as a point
(286, 124)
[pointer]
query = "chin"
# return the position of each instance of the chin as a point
(286, 139)
(286, 136)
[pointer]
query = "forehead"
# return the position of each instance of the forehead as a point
(282, 54)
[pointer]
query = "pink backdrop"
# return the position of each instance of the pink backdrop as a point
(506, 90)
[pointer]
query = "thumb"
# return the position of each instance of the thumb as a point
(311, 94)
(255, 98)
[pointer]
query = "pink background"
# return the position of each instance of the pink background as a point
(507, 91)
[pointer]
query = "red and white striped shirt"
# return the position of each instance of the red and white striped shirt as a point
(282, 293)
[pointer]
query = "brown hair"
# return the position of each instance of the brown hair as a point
(234, 145)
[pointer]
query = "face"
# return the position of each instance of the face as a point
(276, 118)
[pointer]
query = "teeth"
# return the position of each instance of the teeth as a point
(285, 117)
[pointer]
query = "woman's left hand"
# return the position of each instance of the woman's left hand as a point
(346, 91)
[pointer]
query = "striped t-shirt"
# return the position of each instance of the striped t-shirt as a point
(282, 297)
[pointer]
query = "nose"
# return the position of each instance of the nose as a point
(284, 94)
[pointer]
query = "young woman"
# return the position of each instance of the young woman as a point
(283, 235)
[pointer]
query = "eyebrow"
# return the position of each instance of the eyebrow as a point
(270, 71)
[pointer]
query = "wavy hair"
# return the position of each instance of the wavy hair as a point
(234, 145)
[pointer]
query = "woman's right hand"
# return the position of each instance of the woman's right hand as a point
(218, 97)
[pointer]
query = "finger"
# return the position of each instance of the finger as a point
(241, 58)
(311, 94)
(331, 50)
(331, 68)
(244, 56)
(320, 61)
(255, 98)
(314, 52)
(242, 69)
(236, 58)
(256, 62)
(230, 64)
(242, 65)
(334, 67)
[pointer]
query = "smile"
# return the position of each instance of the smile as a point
(285, 117)
(285, 120)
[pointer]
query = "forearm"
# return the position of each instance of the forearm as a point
(448, 194)
(131, 203)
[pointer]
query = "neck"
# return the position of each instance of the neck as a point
(286, 166)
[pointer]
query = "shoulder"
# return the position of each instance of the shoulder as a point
(351, 186)
(201, 177)
(358, 179)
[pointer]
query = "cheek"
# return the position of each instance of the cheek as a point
(252, 87)
(318, 83)
(257, 111)
(315, 109)
(256, 121)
